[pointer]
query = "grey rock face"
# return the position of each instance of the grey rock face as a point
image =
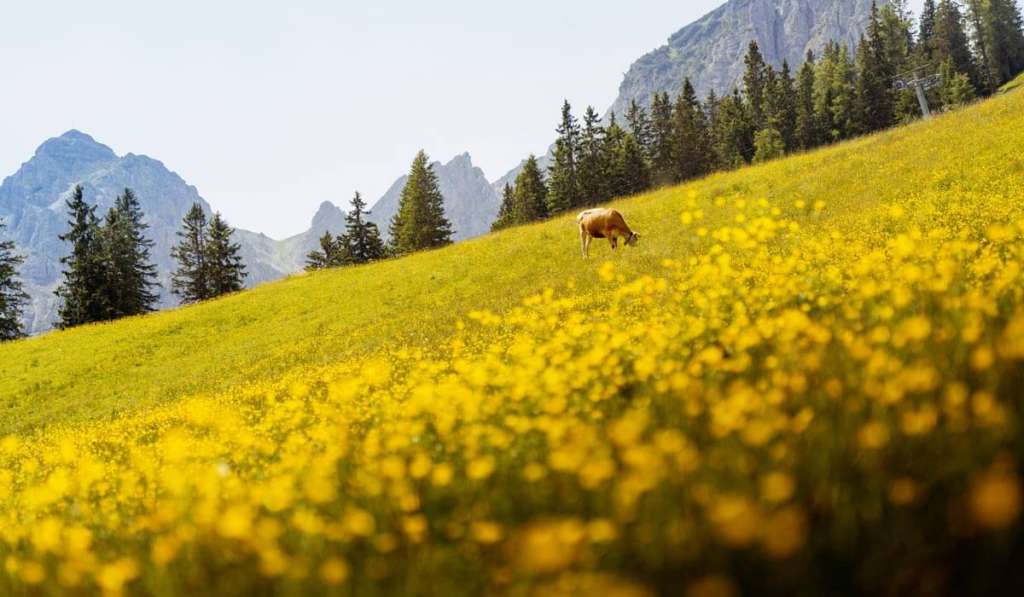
(470, 202)
(711, 50)
(32, 202)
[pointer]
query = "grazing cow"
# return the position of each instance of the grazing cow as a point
(604, 223)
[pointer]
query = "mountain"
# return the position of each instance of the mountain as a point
(32, 203)
(711, 50)
(470, 202)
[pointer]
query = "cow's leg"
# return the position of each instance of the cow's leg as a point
(584, 241)
(586, 247)
(613, 240)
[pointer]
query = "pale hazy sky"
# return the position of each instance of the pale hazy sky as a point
(270, 108)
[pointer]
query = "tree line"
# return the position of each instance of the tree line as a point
(975, 47)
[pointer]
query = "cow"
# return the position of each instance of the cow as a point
(604, 223)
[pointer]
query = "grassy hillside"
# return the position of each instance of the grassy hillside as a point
(806, 379)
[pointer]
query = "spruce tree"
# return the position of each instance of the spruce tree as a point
(835, 92)
(332, 253)
(531, 194)
(83, 290)
(926, 29)
(12, 293)
(662, 140)
(785, 112)
(420, 223)
(755, 77)
(223, 259)
(362, 239)
(768, 145)
(999, 37)
(593, 166)
(733, 132)
(131, 275)
(949, 41)
(612, 177)
(640, 126)
(956, 89)
(505, 211)
(563, 174)
(692, 153)
(808, 134)
(979, 27)
(874, 103)
(190, 281)
(631, 170)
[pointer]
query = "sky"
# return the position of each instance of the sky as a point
(270, 108)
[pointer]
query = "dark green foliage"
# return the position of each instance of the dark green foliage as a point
(640, 126)
(131, 276)
(362, 238)
(563, 175)
(592, 163)
(420, 223)
(83, 290)
(332, 253)
(835, 92)
(733, 132)
(755, 79)
(530, 197)
(956, 89)
(807, 134)
(223, 258)
(12, 293)
(190, 280)
(631, 171)
(949, 41)
(505, 211)
(691, 145)
(768, 145)
(875, 100)
(926, 29)
(662, 140)
(998, 39)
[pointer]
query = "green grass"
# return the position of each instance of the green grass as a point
(97, 372)
(1014, 84)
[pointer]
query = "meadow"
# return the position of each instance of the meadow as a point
(807, 379)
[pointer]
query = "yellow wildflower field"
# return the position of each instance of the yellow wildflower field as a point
(808, 379)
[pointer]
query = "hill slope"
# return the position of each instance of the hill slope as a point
(804, 380)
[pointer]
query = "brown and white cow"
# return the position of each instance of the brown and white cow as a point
(604, 223)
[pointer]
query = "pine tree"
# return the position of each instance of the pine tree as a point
(768, 145)
(83, 291)
(131, 275)
(631, 170)
(12, 293)
(977, 16)
(662, 140)
(926, 29)
(733, 132)
(755, 77)
(362, 239)
(531, 194)
(692, 153)
(592, 166)
(874, 103)
(785, 107)
(612, 177)
(808, 134)
(949, 41)
(835, 92)
(504, 219)
(999, 38)
(420, 222)
(640, 126)
(224, 259)
(956, 89)
(190, 281)
(332, 253)
(563, 174)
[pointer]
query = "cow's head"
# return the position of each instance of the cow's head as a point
(632, 240)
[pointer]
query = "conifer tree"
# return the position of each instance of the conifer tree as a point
(640, 126)
(12, 293)
(662, 140)
(190, 281)
(755, 77)
(768, 145)
(83, 290)
(612, 177)
(563, 175)
(978, 27)
(874, 101)
(808, 134)
(362, 239)
(785, 107)
(956, 89)
(224, 259)
(631, 170)
(692, 153)
(733, 132)
(926, 29)
(530, 195)
(420, 222)
(999, 37)
(131, 275)
(505, 211)
(332, 253)
(949, 41)
(593, 166)
(835, 92)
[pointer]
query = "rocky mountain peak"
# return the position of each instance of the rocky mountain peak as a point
(328, 217)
